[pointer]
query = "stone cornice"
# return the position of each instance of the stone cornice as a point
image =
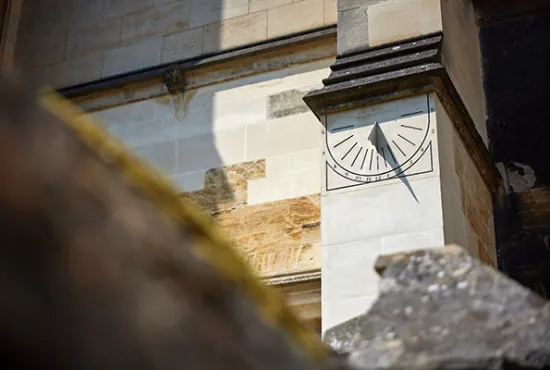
(294, 279)
(395, 71)
(165, 72)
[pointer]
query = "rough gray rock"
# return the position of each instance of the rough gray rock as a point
(442, 309)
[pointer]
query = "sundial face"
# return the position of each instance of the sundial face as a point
(379, 142)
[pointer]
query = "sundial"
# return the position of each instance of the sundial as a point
(379, 143)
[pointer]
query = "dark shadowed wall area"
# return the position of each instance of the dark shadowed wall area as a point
(516, 60)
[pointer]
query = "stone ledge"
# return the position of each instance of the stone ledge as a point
(294, 279)
(157, 73)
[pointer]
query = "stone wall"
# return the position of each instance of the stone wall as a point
(377, 22)
(66, 42)
(467, 202)
(246, 150)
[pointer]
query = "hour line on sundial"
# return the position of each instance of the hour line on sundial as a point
(371, 153)
(364, 157)
(412, 113)
(397, 146)
(350, 149)
(357, 156)
(407, 140)
(392, 155)
(384, 157)
(343, 141)
(412, 127)
(342, 128)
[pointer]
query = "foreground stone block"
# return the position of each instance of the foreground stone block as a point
(97, 274)
(443, 309)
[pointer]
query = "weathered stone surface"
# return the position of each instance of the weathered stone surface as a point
(155, 22)
(135, 56)
(235, 32)
(286, 103)
(295, 17)
(443, 309)
(95, 38)
(276, 238)
(476, 205)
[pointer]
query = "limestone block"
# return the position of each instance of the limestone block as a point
(287, 103)
(270, 189)
(225, 189)
(205, 12)
(76, 71)
(371, 212)
(467, 202)
(39, 48)
(330, 12)
(463, 58)
(256, 139)
(337, 312)
(235, 32)
(353, 32)
(229, 112)
(455, 223)
(476, 204)
(293, 163)
(155, 22)
(191, 113)
(347, 270)
(278, 238)
(61, 15)
(164, 2)
(296, 17)
(431, 238)
(189, 182)
(129, 113)
(182, 45)
(119, 8)
(322, 50)
(351, 4)
(283, 135)
(98, 37)
(131, 57)
(443, 309)
(162, 156)
(211, 151)
(257, 5)
(394, 20)
(293, 133)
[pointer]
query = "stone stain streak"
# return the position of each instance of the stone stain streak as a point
(276, 238)
(476, 205)
(287, 103)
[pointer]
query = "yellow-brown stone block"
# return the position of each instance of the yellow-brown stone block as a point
(276, 238)
(477, 205)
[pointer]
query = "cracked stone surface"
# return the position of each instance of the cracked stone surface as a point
(442, 309)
